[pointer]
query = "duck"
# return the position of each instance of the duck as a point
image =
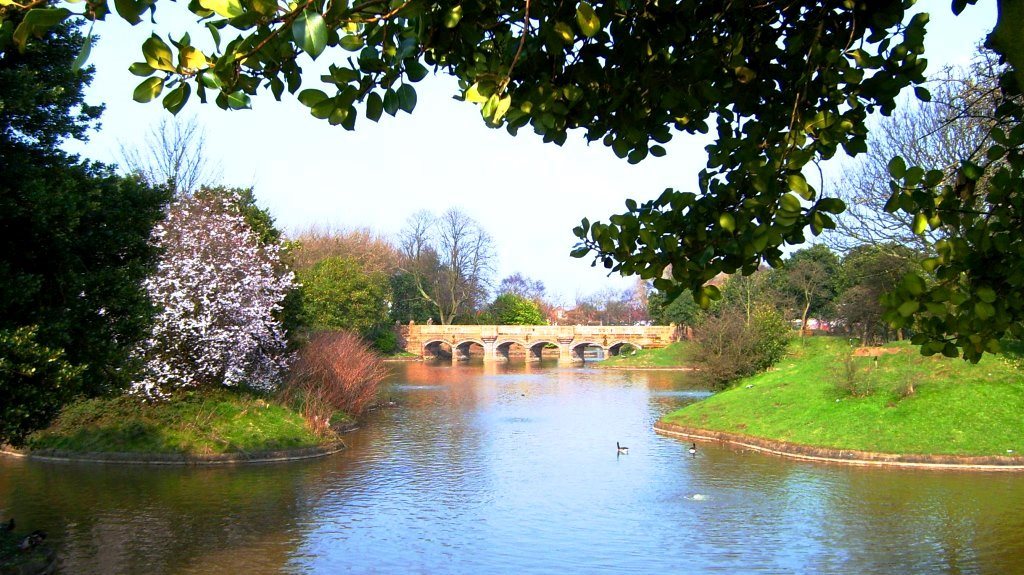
(693, 450)
(622, 449)
(32, 540)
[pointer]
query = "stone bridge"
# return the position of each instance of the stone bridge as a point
(498, 341)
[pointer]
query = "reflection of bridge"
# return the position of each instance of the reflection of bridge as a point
(498, 341)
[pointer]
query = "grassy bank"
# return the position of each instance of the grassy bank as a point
(194, 423)
(674, 355)
(902, 403)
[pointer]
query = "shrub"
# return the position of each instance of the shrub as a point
(335, 371)
(852, 379)
(728, 345)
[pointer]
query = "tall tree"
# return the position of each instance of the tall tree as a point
(174, 154)
(952, 126)
(73, 249)
(219, 291)
(449, 258)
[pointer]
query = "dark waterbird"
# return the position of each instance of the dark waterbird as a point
(32, 540)
(7, 527)
(693, 450)
(621, 449)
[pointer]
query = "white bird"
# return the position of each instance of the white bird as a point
(623, 450)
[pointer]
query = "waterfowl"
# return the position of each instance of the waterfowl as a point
(693, 450)
(32, 540)
(623, 450)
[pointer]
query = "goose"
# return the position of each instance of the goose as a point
(622, 450)
(693, 450)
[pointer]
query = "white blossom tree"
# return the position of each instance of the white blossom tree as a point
(218, 291)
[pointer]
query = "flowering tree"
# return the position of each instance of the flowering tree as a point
(219, 290)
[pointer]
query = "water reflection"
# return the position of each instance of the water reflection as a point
(513, 468)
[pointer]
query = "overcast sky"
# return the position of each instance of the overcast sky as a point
(527, 194)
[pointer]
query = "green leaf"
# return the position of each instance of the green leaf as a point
(374, 106)
(727, 221)
(310, 32)
(908, 308)
(175, 100)
(473, 94)
(923, 94)
(897, 168)
(83, 53)
(984, 310)
(149, 89)
(986, 294)
(225, 8)
(452, 16)
(564, 32)
(832, 205)
(323, 109)
(158, 54)
(587, 19)
(391, 102)
(415, 71)
(920, 223)
(238, 100)
(798, 184)
(36, 22)
(790, 203)
(406, 98)
(141, 69)
(351, 43)
(129, 10)
(311, 97)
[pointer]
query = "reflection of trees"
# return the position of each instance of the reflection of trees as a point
(916, 522)
(138, 519)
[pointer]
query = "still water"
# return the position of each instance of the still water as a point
(513, 469)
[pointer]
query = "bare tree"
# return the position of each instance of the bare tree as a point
(375, 253)
(173, 153)
(450, 258)
(953, 126)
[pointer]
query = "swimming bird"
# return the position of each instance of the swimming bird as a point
(622, 450)
(32, 540)
(693, 450)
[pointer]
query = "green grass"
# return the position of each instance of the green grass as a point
(194, 423)
(954, 407)
(674, 355)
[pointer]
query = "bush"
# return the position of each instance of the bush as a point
(729, 346)
(336, 371)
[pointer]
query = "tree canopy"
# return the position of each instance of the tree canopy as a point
(780, 84)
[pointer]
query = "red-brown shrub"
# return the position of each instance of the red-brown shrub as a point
(336, 371)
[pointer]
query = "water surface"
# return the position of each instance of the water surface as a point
(513, 469)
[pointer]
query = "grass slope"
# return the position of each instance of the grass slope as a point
(955, 408)
(195, 423)
(673, 355)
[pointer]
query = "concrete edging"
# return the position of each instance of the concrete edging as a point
(66, 456)
(846, 456)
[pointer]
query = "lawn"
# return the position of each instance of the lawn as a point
(899, 402)
(674, 355)
(195, 423)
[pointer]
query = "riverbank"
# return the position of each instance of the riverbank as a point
(823, 396)
(675, 356)
(209, 426)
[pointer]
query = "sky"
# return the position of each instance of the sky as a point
(528, 195)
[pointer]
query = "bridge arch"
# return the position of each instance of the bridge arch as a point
(438, 349)
(616, 348)
(535, 351)
(504, 348)
(578, 349)
(461, 349)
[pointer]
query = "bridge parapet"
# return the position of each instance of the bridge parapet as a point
(570, 339)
